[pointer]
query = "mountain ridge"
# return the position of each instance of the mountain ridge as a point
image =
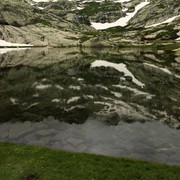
(68, 23)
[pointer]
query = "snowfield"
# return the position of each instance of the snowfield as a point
(123, 21)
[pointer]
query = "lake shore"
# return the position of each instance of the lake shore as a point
(32, 162)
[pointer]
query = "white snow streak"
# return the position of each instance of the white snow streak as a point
(164, 22)
(10, 44)
(123, 21)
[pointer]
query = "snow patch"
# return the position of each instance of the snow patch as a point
(10, 44)
(124, 9)
(123, 21)
(41, 8)
(164, 22)
(80, 8)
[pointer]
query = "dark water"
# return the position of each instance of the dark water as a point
(122, 102)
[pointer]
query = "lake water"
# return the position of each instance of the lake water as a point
(123, 103)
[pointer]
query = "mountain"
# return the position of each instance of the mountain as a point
(23, 23)
(90, 23)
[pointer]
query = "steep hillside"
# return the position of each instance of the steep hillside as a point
(70, 23)
(157, 11)
(144, 23)
(23, 23)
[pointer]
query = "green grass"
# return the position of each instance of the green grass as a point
(31, 162)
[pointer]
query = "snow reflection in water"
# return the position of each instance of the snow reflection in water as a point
(120, 67)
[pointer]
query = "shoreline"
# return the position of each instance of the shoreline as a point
(20, 161)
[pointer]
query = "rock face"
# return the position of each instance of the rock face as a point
(83, 12)
(39, 35)
(68, 23)
(23, 23)
(102, 12)
(155, 12)
(17, 13)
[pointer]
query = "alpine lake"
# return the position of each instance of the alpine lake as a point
(116, 102)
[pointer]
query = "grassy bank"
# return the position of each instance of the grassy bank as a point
(30, 162)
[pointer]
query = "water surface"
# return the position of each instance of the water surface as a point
(121, 103)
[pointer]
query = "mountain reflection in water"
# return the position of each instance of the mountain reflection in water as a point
(120, 103)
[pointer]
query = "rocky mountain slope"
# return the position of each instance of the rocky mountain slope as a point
(68, 23)
(157, 11)
(23, 23)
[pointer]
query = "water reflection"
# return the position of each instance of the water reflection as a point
(150, 141)
(128, 92)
